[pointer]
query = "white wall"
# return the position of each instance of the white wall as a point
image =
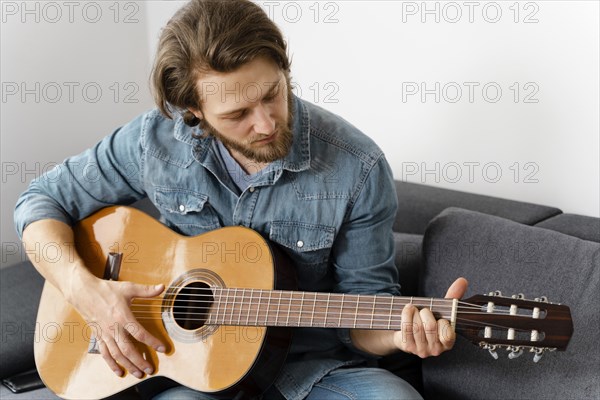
(70, 74)
(364, 60)
(540, 144)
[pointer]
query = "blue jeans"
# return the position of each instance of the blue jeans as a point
(340, 384)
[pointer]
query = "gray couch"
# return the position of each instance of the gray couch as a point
(440, 234)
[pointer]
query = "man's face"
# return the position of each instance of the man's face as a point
(249, 110)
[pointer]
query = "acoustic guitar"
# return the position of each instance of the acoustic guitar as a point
(229, 305)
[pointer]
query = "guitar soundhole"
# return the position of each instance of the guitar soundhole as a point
(186, 306)
(192, 305)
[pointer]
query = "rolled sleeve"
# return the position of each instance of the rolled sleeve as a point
(108, 173)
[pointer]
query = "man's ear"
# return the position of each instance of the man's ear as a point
(197, 113)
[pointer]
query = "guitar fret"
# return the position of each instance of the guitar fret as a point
(210, 320)
(278, 307)
(228, 309)
(234, 304)
(258, 307)
(287, 320)
(373, 312)
(268, 308)
(249, 305)
(390, 316)
(341, 311)
(356, 311)
(223, 307)
(231, 309)
(327, 309)
(301, 309)
(312, 316)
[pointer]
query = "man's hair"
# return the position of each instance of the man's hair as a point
(210, 36)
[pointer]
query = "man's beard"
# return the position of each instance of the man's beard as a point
(268, 152)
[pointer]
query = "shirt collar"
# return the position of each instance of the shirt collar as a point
(298, 159)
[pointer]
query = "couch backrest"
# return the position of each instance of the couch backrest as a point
(418, 204)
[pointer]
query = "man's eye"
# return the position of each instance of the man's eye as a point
(269, 99)
(237, 116)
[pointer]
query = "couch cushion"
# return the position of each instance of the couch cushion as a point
(418, 204)
(20, 290)
(587, 228)
(497, 254)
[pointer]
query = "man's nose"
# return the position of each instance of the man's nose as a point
(264, 123)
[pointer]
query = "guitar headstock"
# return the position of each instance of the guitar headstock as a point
(494, 322)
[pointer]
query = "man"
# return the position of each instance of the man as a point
(231, 145)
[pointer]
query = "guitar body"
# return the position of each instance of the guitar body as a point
(217, 359)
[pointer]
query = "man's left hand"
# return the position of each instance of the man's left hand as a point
(421, 333)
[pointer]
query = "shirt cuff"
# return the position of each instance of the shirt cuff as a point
(344, 336)
(37, 208)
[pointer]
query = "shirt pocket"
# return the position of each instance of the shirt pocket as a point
(186, 211)
(308, 245)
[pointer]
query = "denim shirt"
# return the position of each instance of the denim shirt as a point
(329, 204)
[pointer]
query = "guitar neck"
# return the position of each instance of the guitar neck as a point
(255, 307)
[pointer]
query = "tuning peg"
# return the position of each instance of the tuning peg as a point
(539, 352)
(542, 299)
(491, 348)
(516, 352)
(495, 293)
(519, 296)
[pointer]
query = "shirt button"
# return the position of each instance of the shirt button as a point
(182, 208)
(300, 243)
(251, 189)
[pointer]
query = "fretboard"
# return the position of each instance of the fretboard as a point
(255, 307)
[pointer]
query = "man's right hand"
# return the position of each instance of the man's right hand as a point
(105, 305)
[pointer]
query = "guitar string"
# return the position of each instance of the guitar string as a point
(243, 291)
(394, 320)
(326, 322)
(293, 314)
(477, 309)
(369, 316)
(233, 294)
(347, 302)
(349, 305)
(348, 297)
(256, 312)
(462, 322)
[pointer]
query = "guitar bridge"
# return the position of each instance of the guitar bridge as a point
(111, 273)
